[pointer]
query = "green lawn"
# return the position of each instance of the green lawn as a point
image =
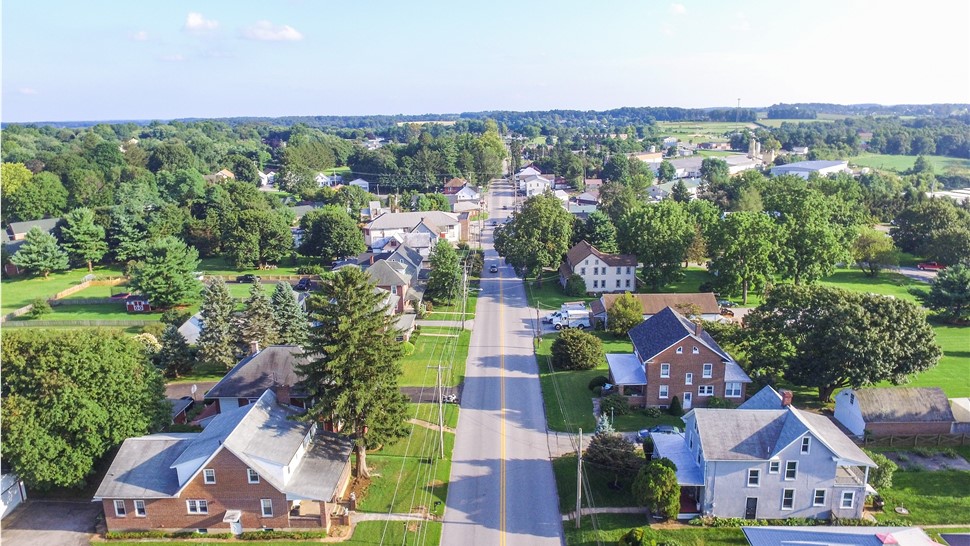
(951, 373)
(714, 153)
(699, 131)
(98, 311)
(600, 481)
(419, 481)
(203, 372)
(932, 498)
(610, 527)
(20, 291)
(429, 413)
(901, 163)
(218, 266)
(471, 304)
(97, 292)
(549, 296)
(449, 348)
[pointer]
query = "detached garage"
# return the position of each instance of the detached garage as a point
(894, 410)
(13, 492)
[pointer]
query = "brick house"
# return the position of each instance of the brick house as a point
(271, 368)
(673, 356)
(252, 468)
(600, 271)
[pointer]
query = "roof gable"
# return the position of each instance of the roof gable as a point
(583, 249)
(659, 332)
(765, 399)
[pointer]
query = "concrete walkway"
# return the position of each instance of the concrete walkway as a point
(606, 510)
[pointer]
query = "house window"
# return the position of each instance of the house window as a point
(619, 270)
(252, 476)
(708, 370)
(596, 271)
(665, 370)
(754, 477)
(791, 470)
(774, 467)
(209, 475)
(788, 499)
(197, 506)
(689, 379)
(140, 508)
(586, 261)
(628, 283)
(617, 283)
(695, 350)
(819, 498)
(663, 391)
(848, 499)
(267, 507)
(806, 444)
(120, 509)
(582, 270)
(680, 350)
(705, 390)
(627, 270)
(732, 390)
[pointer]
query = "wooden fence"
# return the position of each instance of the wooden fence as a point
(918, 440)
(88, 301)
(54, 300)
(114, 323)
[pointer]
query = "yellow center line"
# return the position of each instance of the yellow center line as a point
(501, 337)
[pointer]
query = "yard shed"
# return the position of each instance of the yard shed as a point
(894, 410)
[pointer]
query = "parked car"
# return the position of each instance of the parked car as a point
(450, 398)
(304, 284)
(247, 278)
(643, 434)
(725, 303)
(493, 269)
(726, 312)
(930, 266)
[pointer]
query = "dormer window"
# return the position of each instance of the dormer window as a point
(252, 476)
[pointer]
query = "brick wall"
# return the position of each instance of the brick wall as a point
(889, 429)
(232, 491)
(680, 365)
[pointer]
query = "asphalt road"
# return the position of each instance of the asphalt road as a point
(502, 490)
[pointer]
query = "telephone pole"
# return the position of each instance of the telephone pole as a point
(579, 479)
(441, 409)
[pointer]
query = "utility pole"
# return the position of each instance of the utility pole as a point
(579, 479)
(464, 289)
(441, 410)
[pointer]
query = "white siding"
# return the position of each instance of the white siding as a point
(848, 412)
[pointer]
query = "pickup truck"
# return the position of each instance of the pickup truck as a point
(930, 266)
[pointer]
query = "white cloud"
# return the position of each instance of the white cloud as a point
(27, 91)
(741, 23)
(140, 36)
(667, 30)
(174, 58)
(266, 31)
(195, 22)
(677, 9)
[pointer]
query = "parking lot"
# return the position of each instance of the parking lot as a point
(42, 522)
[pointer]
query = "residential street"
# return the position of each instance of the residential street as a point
(502, 489)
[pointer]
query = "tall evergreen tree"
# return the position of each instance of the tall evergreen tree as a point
(166, 275)
(258, 323)
(217, 338)
(40, 253)
(175, 358)
(82, 238)
(353, 365)
(293, 328)
(127, 235)
(444, 282)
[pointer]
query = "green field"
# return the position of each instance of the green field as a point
(714, 153)
(775, 123)
(902, 163)
(699, 131)
(445, 346)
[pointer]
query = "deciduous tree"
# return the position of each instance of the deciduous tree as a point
(600, 232)
(353, 366)
(624, 315)
(330, 233)
(41, 195)
(536, 237)
(873, 251)
(576, 350)
(743, 251)
(69, 397)
(166, 275)
(659, 235)
(444, 282)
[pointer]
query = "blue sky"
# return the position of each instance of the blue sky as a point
(70, 60)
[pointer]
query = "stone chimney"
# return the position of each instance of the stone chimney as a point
(282, 393)
(786, 397)
(253, 347)
(698, 328)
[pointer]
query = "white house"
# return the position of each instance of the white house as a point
(267, 178)
(602, 272)
(534, 184)
(360, 183)
(804, 169)
(467, 193)
(442, 225)
(328, 181)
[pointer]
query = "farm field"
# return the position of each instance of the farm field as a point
(699, 131)
(775, 123)
(901, 163)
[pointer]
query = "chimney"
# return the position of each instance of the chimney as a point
(786, 397)
(253, 347)
(698, 328)
(282, 393)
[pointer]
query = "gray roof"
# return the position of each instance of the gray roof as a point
(192, 328)
(765, 399)
(836, 536)
(956, 539)
(179, 405)
(139, 469)
(760, 434)
(626, 369)
(674, 447)
(46, 225)
(274, 365)
(318, 475)
(409, 257)
(814, 165)
(904, 404)
(405, 322)
(408, 220)
(383, 273)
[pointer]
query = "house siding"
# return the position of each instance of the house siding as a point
(606, 276)
(680, 366)
(232, 491)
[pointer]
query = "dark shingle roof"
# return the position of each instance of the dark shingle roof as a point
(903, 404)
(46, 225)
(274, 365)
(663, 330)
(581, 250)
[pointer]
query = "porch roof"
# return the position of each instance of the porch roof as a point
(626, 369)
(674, 447)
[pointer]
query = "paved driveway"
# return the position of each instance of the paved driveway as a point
(42, 522)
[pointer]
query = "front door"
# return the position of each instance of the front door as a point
(687, 400)
(751, 508)
(235, 527)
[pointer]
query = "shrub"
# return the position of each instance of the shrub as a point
(633, 537)
(312, 269)
(476, 262)
(463, 245)
(881, 477)
(950, 453)
(575, 286)
(128, 535)
(408, 348)
(291, 535)
(653, 413)
(675, 409)
(923, 452)
(598, 381)
(719, 403)
(156, 329)
(40, 308)
(576, 350)
(176, 316)
(624, 315)
(616, 403)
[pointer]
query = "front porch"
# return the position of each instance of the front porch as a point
(629, 377)
(690, 477)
